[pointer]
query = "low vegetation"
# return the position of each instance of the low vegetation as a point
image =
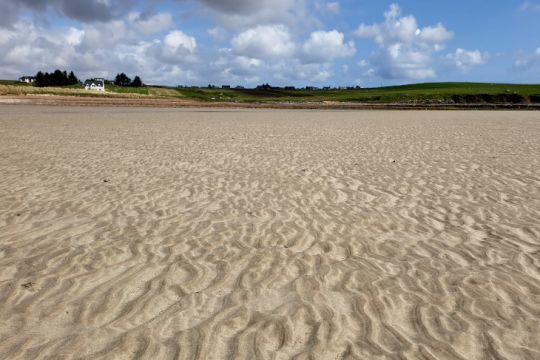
(23, 90)
(448, 93)
(429, 93)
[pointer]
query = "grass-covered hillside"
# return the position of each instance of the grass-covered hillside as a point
(433, 92)
(449, 93)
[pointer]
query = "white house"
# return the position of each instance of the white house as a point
(95, 85)
(27, 79)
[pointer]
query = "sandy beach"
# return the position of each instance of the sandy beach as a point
(140, 233)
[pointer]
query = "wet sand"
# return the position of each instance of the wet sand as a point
(211, 234)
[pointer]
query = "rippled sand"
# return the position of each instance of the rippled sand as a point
(164, 234)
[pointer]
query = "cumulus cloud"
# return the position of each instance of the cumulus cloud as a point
(177, 47)
(466, 59)
(326, 46)
(277, 41)
(264, 41)
(97, 50)
(25, 46)
(151, 24)
(177, 41)
(405, 50)
(114, 36)
(105, 35)
(287, 71)
(271, 53)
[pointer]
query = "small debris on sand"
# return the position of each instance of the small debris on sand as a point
(29, 285)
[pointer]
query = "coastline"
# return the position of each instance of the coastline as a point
(53, 100)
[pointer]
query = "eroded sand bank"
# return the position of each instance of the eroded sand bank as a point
(163, 234)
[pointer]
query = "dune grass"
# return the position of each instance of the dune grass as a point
(22, 90)
(14, 83)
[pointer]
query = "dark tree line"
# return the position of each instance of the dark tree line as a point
(123, 80)
(56, 78)
(264, 86)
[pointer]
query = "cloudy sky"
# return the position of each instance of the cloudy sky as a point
(282, 42)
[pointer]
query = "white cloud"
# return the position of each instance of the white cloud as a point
(105, 35)
(257, 66)
(434, 34)
(177, 41)
(28, 47)
(176, 48)
(151, 24)
(264, 53)
(326, 46)
(264, 41)
(74, 36)
(96, 50)
(271, 53)
(467, 59)
(405, 50)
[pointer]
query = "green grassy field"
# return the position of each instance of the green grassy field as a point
(448, 93)
(435, 92)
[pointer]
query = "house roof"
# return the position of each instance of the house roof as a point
(95, 82)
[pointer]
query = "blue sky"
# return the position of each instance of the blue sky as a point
(282, 42)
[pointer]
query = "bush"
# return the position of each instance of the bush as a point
(534, 99)
(123, 80)
(489, 99)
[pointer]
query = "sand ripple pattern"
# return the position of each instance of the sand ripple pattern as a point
(186, 234)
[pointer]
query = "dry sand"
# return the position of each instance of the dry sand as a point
(194, 234)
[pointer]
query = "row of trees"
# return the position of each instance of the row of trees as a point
(123, 80)
(56, 78)
(62, 78)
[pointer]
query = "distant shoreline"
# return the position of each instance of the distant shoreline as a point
(56, 100)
